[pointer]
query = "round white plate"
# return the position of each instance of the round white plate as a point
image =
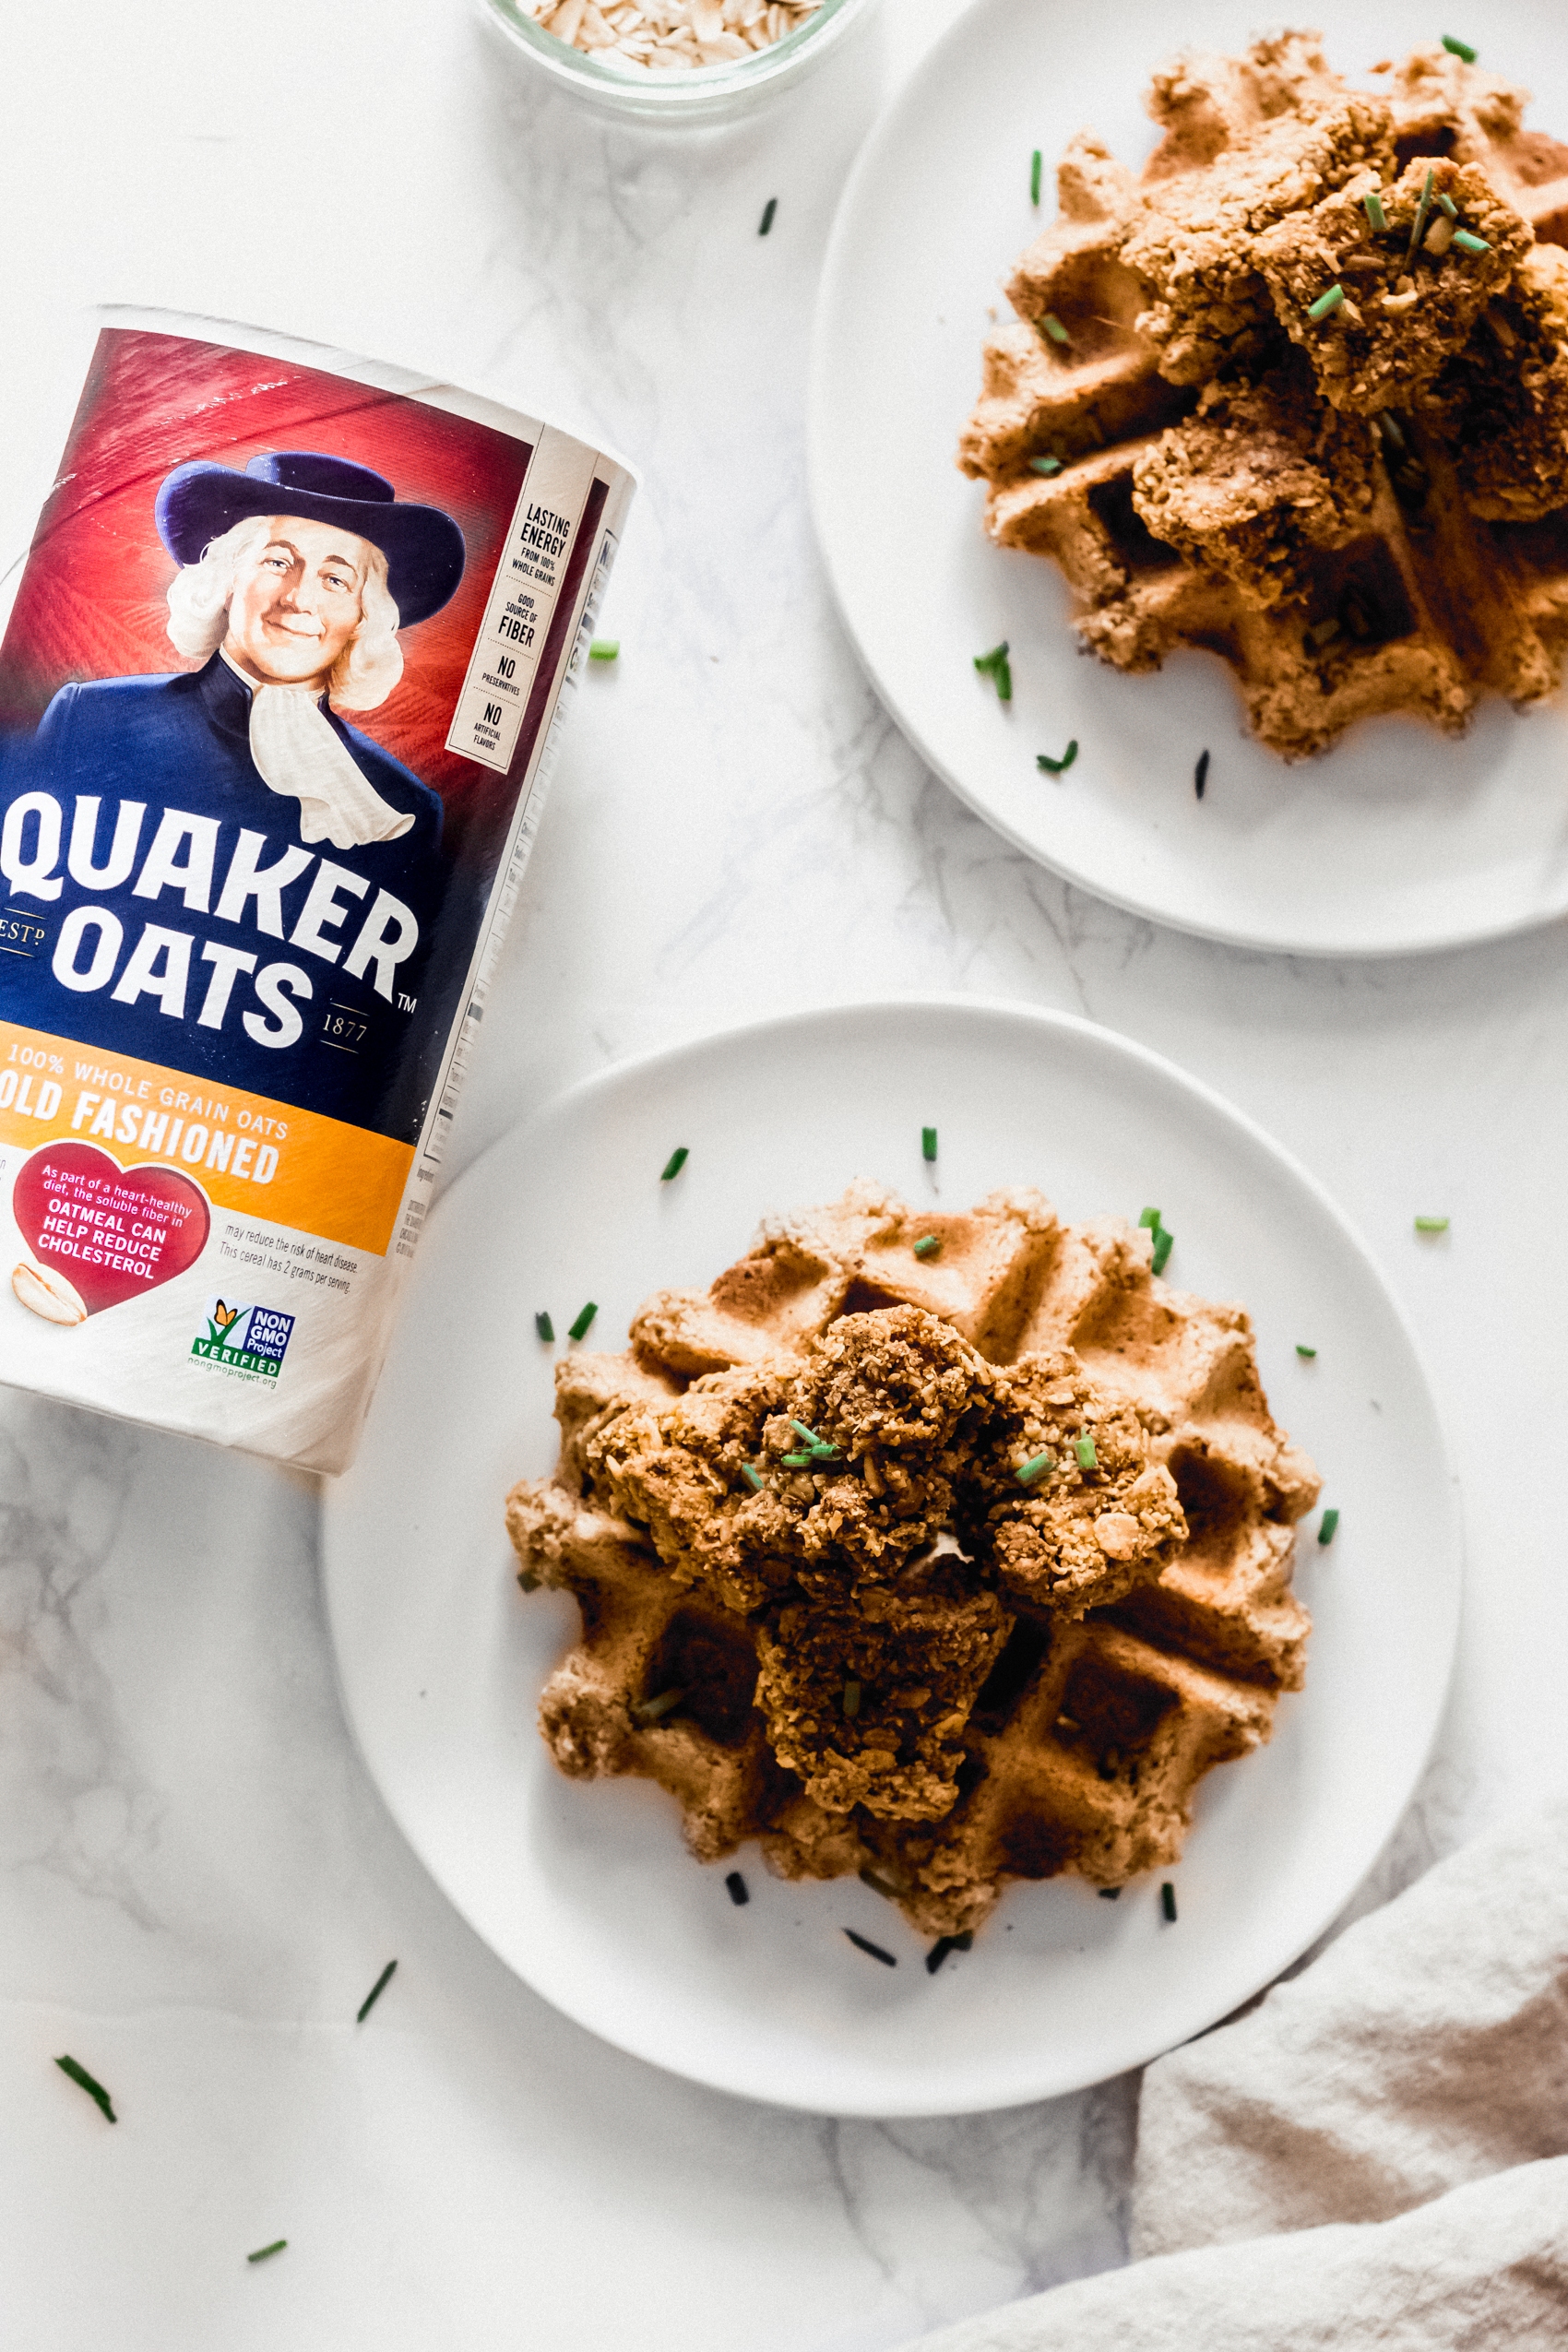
(1401, 838)
(585, 1888)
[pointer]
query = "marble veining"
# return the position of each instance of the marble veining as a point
(197, 1882)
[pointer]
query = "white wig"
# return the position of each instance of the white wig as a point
(364, 672)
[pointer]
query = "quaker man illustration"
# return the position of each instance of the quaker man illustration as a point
(237, 793)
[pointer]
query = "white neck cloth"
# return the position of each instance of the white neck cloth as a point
(304, 758)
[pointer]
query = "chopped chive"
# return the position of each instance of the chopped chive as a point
(1431, 1225)
(373, 1995)
(737, 1889)
(578, 1330)
(1033, 1470)
(822, 1447)
(768, 210)
(545, 1329)
(1035, 162)
(944, 1945)
(865, 1943)
(851, 1698)
(264, 2254)
(1418, 225)
(1448, 206)
(1164, 1243)
(1111, 1895)
(1309, 1352)
(928, 1143)
(1326, 1525)
(1088, 1458)
(674, 1164)
(753, 1476)
(1467, 241)
(1460, 49)
(94, 2089)
(1046, 466)
(995, 665)
(1200, 775)
(1167, 1901)
(1058, 766)
(1375, 212)
(1151, 1218)
(880, 1886)
(1054, 328)
(1393, 432)
(1325, 302)
(800, 1461)
(605, 649)
(927, 1246)
(654, 1710)
(529, 1582)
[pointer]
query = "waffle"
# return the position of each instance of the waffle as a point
(1360, 513)
(821, 1607)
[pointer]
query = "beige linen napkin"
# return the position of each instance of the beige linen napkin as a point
(1376, 2155)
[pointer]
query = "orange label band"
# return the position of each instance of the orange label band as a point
(264, 1158)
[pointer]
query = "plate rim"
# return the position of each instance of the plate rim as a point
(1450, 1560)
(881, 136)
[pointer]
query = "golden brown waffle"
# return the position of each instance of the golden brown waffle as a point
(893, 1656)
(1360, 513)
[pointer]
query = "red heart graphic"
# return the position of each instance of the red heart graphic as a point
(113, 1232)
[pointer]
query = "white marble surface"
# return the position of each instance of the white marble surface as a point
(196, 1882)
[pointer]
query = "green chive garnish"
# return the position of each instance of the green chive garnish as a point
(1151, 1218)
(1308, 1352)
(674, 1164)
(851, 1698)
(1326, 1525)
(1034, 163)
(1110, 1894)
(1045, 466)
(927, 1246)
(865, 1943)
(578, 1330)
(1467, 241)
(545, 1329)
(822, 1447)
(94, 2090)
(1200, 776)
(802, 1461)
(1460, 49)
(736, 1888)
(1375, 212)
(373, 1995)
(264, 2254)
(1431, 1225)
(1088, 1458)
(1167, 1901)
(1449, 206)
(1420, 220)
(605, 649)
(1164, 1243)
(651, 1710)
(529, 1581)
(1054, 328)
(1033, 1469)
(768, 210)
(1058, 766)
(995, 665)
(753, 1476)
(928, 1143)
(1325, 302)
(944, 1945)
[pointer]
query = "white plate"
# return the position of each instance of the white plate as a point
(585, 1889)
(1399, 839)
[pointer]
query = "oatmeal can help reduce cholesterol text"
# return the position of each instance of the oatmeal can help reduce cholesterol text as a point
(279, 698)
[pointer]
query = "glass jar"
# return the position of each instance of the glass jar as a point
(676, 94)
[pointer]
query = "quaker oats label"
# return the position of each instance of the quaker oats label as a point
(280, 697)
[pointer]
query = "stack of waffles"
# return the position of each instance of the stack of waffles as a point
(948, 1550)
(1297, 396)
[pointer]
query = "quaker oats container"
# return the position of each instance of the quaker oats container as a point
(612, 82)
(280, 694)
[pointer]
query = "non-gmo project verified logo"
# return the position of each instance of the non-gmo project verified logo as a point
(244, 1340)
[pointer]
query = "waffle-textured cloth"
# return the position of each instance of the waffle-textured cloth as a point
(1375, 2156)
